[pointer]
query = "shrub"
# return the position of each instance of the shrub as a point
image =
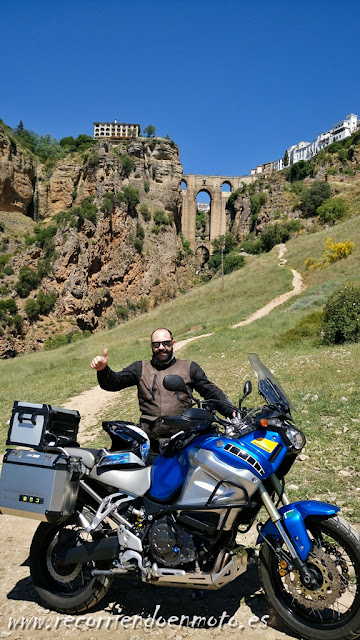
(18, 322)
(107, 205)
(140, 231)
(252, 244)
(334, 251)
(256, 202)
(298, 171)
(122, 312)
(308, 328)
(270, 236)
(86, 211)
(298, 187)
(233, 261)
(143, 305)
(314, 197)
(2, 227)
(28, 280)
(111, 322)
(59, 340)
(341, 321)
(332, 210)
(160, 217)
(144, 210)
(32, 309)
(130, 197)
(9, 271)
(138, 244)
(186, 245)
(46, 302)
(44, 267)
(4, 259)
(214, 261)
(8, 305)
(127, 164)
(230, 203)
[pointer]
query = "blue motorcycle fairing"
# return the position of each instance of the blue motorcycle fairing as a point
(260, 451)
(293, 516)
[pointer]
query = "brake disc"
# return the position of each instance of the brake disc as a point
(64, 578)
(327, 593)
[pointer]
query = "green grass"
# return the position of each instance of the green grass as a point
(323, 382)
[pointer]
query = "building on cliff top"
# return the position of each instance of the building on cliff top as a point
(307, 150)
(115, 130)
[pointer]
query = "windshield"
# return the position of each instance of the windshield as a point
(269, 387)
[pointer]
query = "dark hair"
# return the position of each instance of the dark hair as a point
(162, 329)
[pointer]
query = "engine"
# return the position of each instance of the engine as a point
(170, 544)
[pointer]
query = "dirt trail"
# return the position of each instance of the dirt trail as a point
(96, 401)
(298, 287)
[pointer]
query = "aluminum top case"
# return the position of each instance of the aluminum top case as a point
(39, 425)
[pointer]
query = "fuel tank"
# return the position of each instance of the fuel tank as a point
(227, 471)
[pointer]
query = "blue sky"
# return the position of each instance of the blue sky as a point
(233, 83)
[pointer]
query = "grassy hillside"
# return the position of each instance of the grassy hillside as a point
(323, 382)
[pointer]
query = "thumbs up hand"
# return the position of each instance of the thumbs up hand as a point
(100, 362)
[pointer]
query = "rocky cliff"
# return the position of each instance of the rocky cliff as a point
(17, 178)
(122, 259)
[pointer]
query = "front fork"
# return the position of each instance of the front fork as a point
(276, 518)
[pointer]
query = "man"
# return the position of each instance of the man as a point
(154, 400)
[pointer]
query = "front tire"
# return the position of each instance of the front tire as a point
(331, 611)
(67, 588)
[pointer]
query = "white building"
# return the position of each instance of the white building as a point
(307, 150)
(115, 130)
(203, 206)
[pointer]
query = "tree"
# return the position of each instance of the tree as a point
(298, 171)
(20, 127)
(332, 210)
(83, 142)
(286, 159)
(127, 164)
(68, 143)
(129, 196)
(314, 197)
(150, 131)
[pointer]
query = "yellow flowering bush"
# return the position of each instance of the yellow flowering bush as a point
(334, 251)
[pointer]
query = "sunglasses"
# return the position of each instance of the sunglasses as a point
(165, 343)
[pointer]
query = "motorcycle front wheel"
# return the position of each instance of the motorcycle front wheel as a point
(67, 588)
(331, 609)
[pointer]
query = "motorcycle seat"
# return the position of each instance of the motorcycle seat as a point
(87, 456)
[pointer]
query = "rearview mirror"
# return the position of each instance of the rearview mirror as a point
(247, 391)
(176, 383)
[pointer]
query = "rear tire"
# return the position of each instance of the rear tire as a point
(66, 588)
(332, 610)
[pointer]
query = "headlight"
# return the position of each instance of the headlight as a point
(296, 438)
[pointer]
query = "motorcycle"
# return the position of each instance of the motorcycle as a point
(178, 521)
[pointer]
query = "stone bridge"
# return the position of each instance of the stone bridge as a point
(213, 186)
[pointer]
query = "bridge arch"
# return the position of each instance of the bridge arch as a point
(213, 185)
(228, 184)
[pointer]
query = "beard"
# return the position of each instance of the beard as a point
(163, 357)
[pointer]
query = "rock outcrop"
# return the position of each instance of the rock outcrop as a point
(124, 258)
(17, 178)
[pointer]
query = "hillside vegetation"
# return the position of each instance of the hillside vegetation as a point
(322, 381)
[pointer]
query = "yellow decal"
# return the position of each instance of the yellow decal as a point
(263, 443)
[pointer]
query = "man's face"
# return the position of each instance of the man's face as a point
(162, 345)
